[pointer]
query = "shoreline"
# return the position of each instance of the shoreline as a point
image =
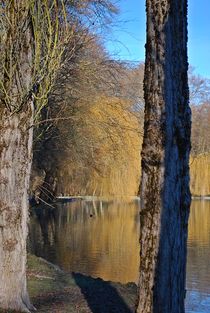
(52, 290)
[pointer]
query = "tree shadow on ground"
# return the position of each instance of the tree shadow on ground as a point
(102, 296)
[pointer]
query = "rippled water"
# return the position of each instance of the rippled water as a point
(101, 239)
(198, 265)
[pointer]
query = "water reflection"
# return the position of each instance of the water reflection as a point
(94, 238)
(101, 239)
(198, 265)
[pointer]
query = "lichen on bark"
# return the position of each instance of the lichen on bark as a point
(15, 159)
(165, 195)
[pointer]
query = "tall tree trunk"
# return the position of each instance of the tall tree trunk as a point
(15, 160)
(165, 155)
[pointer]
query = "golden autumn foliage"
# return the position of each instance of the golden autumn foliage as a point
(200, 138)
(106, 158)
(94, 144)
(90, 143)
(200, 175)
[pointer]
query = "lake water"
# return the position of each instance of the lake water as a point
(100, 239)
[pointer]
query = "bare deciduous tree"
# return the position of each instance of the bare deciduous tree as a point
(33, 38)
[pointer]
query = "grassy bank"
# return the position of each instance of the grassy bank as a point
(51, 290)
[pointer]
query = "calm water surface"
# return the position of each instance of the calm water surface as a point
(101, 239)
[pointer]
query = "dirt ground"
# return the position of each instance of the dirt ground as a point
(51, 290)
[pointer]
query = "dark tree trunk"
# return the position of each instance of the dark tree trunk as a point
(165, 191)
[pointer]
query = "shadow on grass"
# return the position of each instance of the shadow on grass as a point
(101, 296)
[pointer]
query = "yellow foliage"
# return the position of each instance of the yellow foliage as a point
(200, 175)
(107, 162)
(109, 136)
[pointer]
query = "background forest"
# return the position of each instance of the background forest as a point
(88, 137)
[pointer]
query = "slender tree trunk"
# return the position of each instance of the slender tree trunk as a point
(165, 154)
(15, 164)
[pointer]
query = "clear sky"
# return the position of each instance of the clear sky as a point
(128, 37)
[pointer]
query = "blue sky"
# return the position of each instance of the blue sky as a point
(128, 36)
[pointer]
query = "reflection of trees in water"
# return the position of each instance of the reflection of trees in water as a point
(96, 238)
(199, 247)
(101, 239)
(42, 232)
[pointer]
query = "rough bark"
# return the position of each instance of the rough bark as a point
(16, 135)
(165, 191)
(15, 160)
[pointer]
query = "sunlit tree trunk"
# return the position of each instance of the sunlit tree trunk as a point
(16, 136)
(165, 191)
(15, 159)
